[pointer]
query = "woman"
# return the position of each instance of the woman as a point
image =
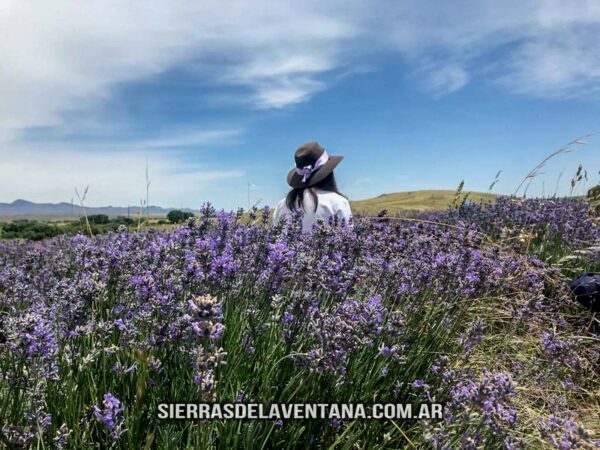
(314, 190)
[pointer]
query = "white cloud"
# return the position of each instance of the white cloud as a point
(562, 66)
(114, 177)
(184, 138)
(443, 78)
(544, 48)
(64, 56)
(282, 79)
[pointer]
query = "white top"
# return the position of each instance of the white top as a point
(330, 204)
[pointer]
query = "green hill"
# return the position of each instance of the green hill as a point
(428, 200)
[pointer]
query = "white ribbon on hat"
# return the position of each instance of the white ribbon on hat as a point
(307, 171)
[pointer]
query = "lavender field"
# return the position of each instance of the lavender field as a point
(468, 307)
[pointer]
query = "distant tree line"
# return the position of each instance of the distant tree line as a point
(29, 229)
(177, 216)
(37, 230)
(99, 219)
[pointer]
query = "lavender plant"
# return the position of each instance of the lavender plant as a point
(95, 332)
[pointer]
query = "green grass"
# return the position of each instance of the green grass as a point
(64, 219)
(268, 375)
(37, 229)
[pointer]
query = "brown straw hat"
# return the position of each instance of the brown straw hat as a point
(313, 164)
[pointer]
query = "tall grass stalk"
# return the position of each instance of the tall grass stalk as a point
(81, 200)
(565, 149)
(496, 180)
(147, 189)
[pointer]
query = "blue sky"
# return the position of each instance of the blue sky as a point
(414, 94)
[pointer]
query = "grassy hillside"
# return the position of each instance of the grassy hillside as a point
(414, 201)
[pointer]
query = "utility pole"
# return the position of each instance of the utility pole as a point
(147, 188)
(248, 195)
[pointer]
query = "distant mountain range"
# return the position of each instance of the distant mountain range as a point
(24, 208)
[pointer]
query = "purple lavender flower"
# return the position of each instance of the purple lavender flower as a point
(217, 331)
(420, 384)
(565, 434)
(111, 416)
(118, 368)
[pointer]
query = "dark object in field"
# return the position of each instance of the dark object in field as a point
(177, 216)
(586, 290)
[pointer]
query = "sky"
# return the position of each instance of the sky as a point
(217, 96)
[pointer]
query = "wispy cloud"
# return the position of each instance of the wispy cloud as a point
(114, 167)
(113, 176)
(543, 48)
(185, 138)
(65, 56)
(442, 79)
(62, 56)
(555, 66)
(281, 79)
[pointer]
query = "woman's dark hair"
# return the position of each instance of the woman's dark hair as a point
(296, 196)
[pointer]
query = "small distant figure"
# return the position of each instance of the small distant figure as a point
(314, 189)
(586, 290)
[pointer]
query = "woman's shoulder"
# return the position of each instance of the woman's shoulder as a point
(280, 210)
(280, 205)
(332, 197)
(323, 192)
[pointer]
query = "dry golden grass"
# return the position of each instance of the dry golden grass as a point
(427, 200)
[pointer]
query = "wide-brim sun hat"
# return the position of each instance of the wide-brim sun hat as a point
(313, 164)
